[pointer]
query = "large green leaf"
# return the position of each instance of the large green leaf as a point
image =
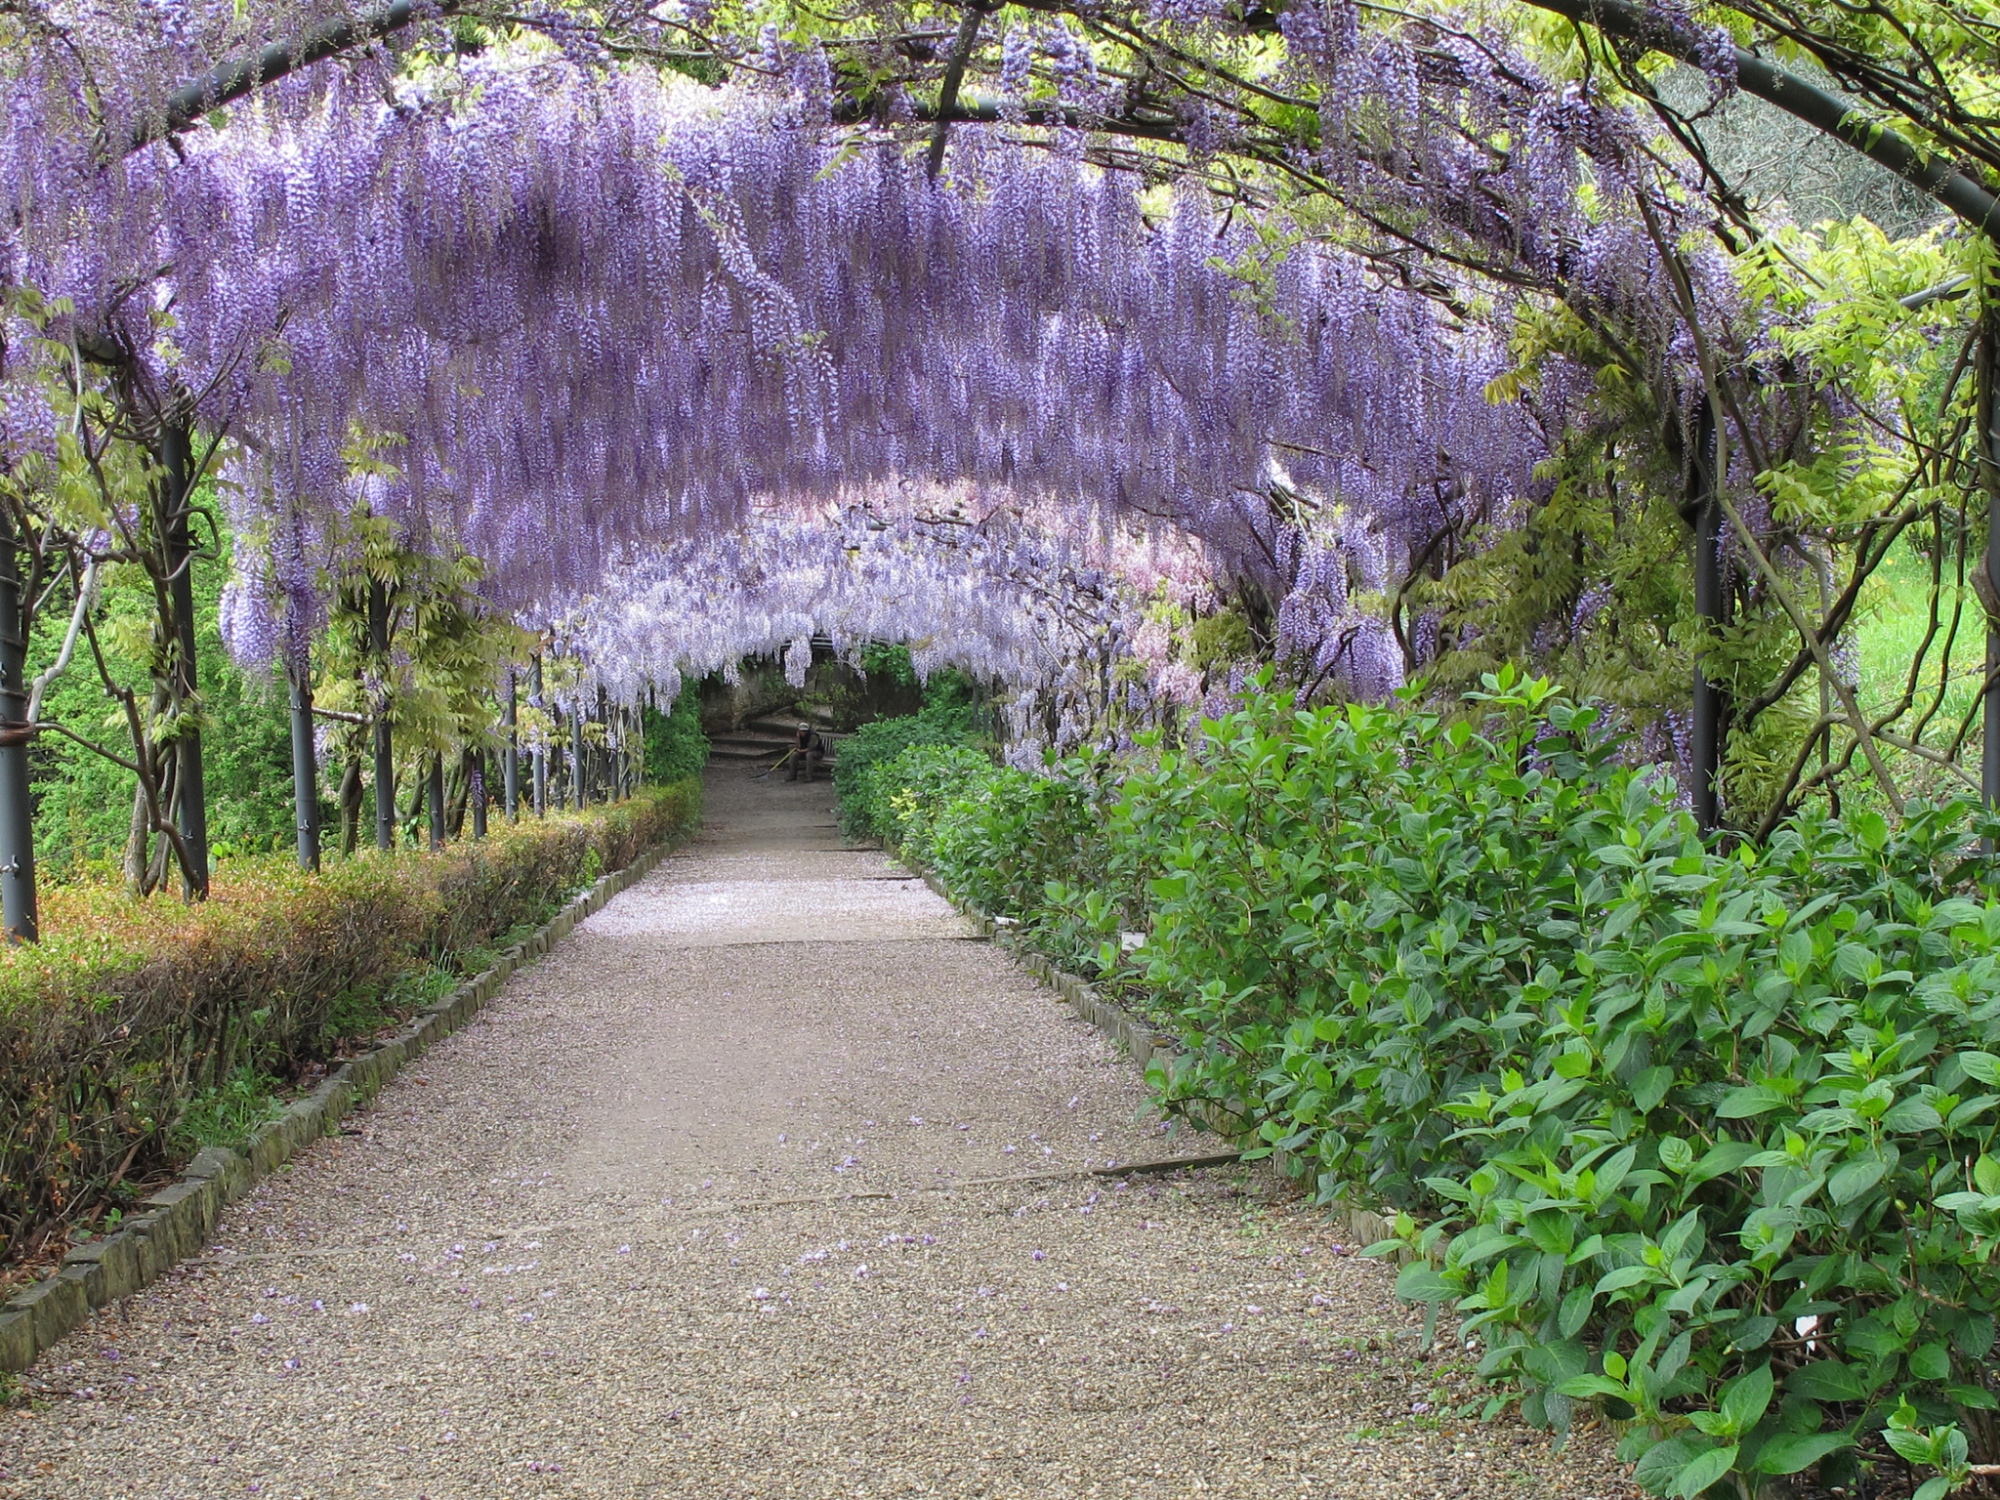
(1854, 1179)
(1659, 1464)
(1702, 1471)
(1420, 1282)
(1751, 1100)
(1745, 1398)
(1793, 1452)
(1650, 1087)
(1826, 1380)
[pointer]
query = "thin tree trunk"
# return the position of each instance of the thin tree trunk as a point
(541, 756)
(137, 840)
(434, 795)
(458, 796)
(350, 807)
(305, 771)
(385, 763)
(191, 802)
(477, 793)
(511, 765)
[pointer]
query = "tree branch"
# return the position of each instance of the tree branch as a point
(954, 75)
(1823, 111)
(227, 82)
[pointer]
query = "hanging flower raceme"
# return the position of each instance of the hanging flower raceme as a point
(988, 592)
(582, 315)
(557, 317)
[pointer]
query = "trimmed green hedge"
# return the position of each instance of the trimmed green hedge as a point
(1702, 1137)
(133, 1019)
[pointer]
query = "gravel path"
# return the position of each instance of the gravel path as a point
(768, 1182)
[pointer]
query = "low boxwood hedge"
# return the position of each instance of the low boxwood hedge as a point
(131, 1018)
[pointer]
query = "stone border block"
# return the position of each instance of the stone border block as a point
(175, 1222)
(17, 1338)
(1141, 1040)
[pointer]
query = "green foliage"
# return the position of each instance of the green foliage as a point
(1003, 839)
(952, 704)
(1221, 639)
(1596, 581)
(359, 1012)
(1015, 846)
(447, 649)
(226, 1113)
(867, 751)
(950, 716)
(1706, 1139)
(675, 745)
(1593, 582)
(879, 659)
(84, 802)
(917, 789)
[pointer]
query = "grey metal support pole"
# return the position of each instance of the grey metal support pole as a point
(541, 750)
(1989, 417)
(434, 795)
(176, 458)
(305, 771)
(576, 759)
(625, 746)
(558, 773)
(1989, 761)
(476, 794)
(385, 758)
(17, 807)
(607, 761)
(1711, 607)
(510, 764)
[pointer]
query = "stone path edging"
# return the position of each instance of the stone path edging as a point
(1114, 1021)
(1142, 1041)
(174, 1223)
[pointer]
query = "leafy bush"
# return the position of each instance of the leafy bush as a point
(918, 786)
(881, 659)
(1703, 1137)
(1017, 842)
(676, 747)
(1002, 839)
(948, 718)
(127, 1035)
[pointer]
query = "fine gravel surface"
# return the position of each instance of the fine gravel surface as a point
(770, 1181)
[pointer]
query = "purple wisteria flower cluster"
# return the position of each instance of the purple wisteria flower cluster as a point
(585, 321)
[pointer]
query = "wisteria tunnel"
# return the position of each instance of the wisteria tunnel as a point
(1433, 570)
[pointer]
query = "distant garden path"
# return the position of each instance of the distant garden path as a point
(610, 1241)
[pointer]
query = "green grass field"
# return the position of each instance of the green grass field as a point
(1895, 622)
